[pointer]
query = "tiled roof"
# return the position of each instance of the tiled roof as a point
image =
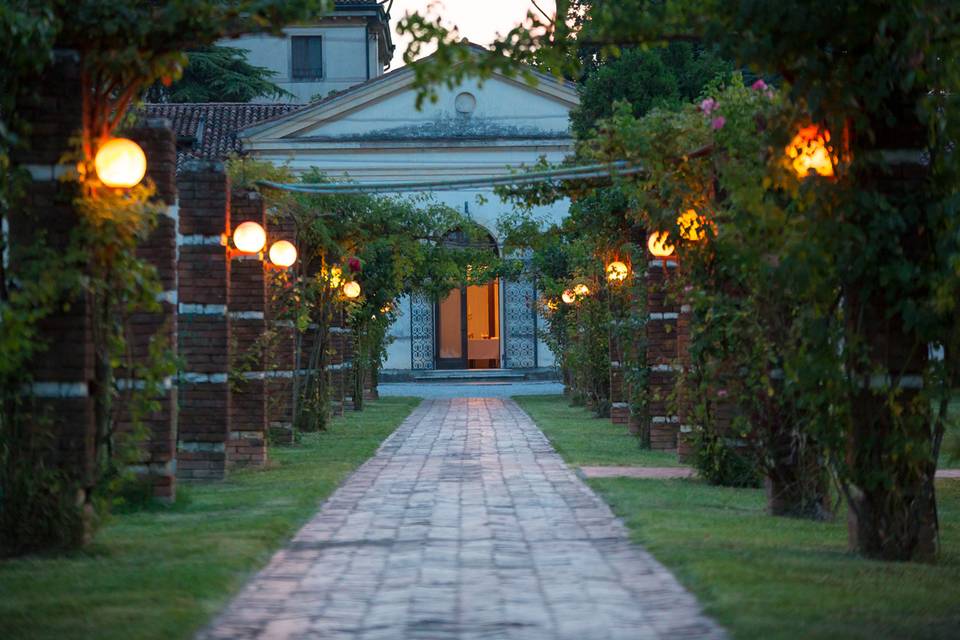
(213, 126)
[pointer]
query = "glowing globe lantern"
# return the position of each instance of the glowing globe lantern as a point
(581, 290)
(691, 226)
(351, 289)
(120, 163)
(617, 271)
(336, 277)
(283, 253)
(658, 245)
(810, 151)
(249, 237)
(569, 297)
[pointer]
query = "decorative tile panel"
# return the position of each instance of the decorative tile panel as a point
(421, 331)
(519, 322)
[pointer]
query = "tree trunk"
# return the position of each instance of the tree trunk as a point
(893, 511)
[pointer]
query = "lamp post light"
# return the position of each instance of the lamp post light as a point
(810, 150)
(249, 238)
(581, 290)
(351, 289)
(283, 253)
(569, 297)
(658, 245)
(692, 226)
(120, 163)
(617, 272)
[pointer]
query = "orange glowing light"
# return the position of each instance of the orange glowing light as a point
(617, 271)
(351, 289)
(336, 277)
(581, 290)
(120, 163)
(249, 237)
(569, 296)
(283, 253)
(692, 226)
(552, 304)
(810, 150)
(658, 245)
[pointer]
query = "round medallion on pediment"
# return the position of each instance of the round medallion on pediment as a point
(465, 103)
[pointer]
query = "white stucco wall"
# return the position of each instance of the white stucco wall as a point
(376, 134)
(345, 59)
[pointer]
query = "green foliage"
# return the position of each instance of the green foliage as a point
(122, 49)
(646, 78)
(813, 299)
(221, 74)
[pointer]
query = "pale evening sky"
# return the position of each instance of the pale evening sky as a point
(479, 20)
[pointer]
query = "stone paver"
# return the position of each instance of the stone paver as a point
(466, 525)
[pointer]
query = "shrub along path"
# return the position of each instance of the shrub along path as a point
(759, 576)
(466, 524)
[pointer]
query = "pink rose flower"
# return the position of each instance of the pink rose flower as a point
(708, 105)
(759, 85)
(354, 264)
(717, 123)
(722, 393)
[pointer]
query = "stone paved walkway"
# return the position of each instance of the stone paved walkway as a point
(466, 524)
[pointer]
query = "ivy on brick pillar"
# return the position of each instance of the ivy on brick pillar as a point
(247, 305)
(60, 395)
(684, 408)
(204, 327)
(158, 457)
(340, 361)
(619, 306)
(279, 385)
(662, 354)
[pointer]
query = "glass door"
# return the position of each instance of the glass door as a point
(452, 331)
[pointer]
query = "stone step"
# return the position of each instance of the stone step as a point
(469, 375)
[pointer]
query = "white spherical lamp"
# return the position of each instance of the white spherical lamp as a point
(283, 253)
(249, 237)
(120, 163)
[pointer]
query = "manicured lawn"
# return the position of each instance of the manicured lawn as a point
(764, 577)
(587, 441)
(163, 573)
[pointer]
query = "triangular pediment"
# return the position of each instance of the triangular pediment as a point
(384, 109)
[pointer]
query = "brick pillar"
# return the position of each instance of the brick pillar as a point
(158, 463)
(340, 359)
(60, 393)
(619, 404)
(204, 327)
(661, 353)
(685, 437)
(247, 445)
(279, 385)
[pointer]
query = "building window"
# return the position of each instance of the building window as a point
(307, 57)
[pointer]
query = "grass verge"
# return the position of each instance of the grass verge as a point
(587, 441)
(774, 578)
(162, 573)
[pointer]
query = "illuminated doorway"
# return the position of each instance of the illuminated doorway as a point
(468, 322)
